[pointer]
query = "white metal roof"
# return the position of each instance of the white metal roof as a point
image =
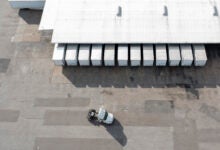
(48, 18)
(141, 21)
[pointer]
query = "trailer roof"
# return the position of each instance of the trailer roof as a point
(132, 21)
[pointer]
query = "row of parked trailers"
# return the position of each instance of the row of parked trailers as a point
(129, 55)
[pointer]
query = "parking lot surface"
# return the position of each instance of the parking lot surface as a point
(44, 107)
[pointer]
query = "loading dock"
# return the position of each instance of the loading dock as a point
(123, 55)
(59, 54)
(161, 55)
(186, 54)
(199, 54)
(148, 55)
(96, 55)
(71, 55)
(174, 55)
(109, 55)
(135, 55)
(84, 55)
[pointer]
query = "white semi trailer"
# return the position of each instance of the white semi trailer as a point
(30, 4)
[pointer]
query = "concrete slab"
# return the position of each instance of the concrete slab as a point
(59, 54)
(210, 111)
(72, 55)
(7, 115)
(79, 118)
(209, 146)
(123, 55)
(186, 54)
(158, 106)
(144, 119)
(148, 55)
(138, 140)
(96, 54)
(62, 102)
(185, 135)
(161, 55)
(174, 55)
(4, 63)
(66, 117)
(135, 55)
(84, 55)
(57, 143)
(109, 55)
(209, 135)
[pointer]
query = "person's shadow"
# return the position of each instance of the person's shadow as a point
(115, 129)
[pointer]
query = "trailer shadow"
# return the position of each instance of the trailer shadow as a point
(190, 78)
(116, 130)
(30, 16)
(121, 77)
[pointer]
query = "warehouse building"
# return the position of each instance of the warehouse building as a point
(129, 32)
